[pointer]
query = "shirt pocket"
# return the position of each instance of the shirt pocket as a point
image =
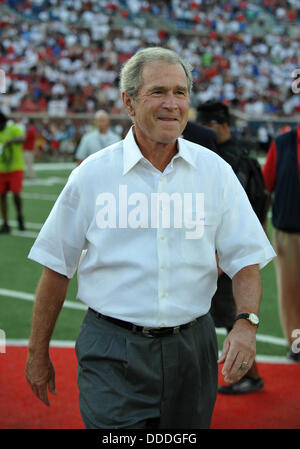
(198, 241)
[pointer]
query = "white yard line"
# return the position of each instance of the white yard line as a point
(79, 306)
(51, 181)
(25, 234)
(54, 343)
(39, 196)
(54, 166)
(28, 224)
(30, 297)
(28, 233)
(260, 337)
(22, 342)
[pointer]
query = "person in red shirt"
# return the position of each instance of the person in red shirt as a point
(282, 176)
(29, 149)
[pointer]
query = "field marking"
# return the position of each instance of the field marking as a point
(51, 181)
(30, 297)
(39, 196)
(22, 342)
(53, 166)
(53, 343)
(25, 234)
(30, 225)
(79, 306)
(260, 337)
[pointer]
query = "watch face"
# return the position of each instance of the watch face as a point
(253, 318)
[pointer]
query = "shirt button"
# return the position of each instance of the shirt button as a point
(162, 237)
(162, 266)
(163, 295)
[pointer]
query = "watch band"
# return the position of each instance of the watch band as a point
(251, 317)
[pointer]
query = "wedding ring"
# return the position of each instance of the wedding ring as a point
(244, 366)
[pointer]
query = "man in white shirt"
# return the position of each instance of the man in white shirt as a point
(99, 138)
(151, 212)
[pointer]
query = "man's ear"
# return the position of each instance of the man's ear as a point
(128, 104)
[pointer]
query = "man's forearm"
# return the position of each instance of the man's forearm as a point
(239, 346)
(247, 290)
(50, 295)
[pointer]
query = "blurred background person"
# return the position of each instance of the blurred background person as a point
(12, 138)
(216, 116)
(202, 135)
(282, 176)
(29, 149)
(263, 138)
(97, 139)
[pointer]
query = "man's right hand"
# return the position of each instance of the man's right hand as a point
(40, 374)
(50, 295)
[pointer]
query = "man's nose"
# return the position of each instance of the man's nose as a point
(170, 101)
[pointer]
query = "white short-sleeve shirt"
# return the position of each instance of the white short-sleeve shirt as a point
(150, 238)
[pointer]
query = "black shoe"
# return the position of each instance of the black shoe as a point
(5, 229)
(245, 385)
(21, 223)
(294, 356)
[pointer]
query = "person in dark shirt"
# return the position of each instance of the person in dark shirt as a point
(202, 135)
(282, 177)
(215, 115)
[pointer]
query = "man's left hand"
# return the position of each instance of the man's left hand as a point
(239, 350)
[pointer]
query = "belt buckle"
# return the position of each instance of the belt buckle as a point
(176, 330)
(146, 331)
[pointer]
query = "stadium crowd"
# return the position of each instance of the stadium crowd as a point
(65, 56)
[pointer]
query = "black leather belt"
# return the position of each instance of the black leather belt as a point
(146, 331)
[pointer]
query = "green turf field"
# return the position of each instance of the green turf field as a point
(19, 276)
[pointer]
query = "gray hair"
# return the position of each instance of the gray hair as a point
(130, 78)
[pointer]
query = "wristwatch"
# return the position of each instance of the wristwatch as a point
(251, 317)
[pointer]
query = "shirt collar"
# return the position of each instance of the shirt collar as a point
(186, 152)
(132, 154)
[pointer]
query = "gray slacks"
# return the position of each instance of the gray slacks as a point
(129, 381)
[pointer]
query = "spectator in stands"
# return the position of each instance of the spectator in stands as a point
(282, 176)
(11, 169)
(29, 149)
(238, 65)
(97, 139)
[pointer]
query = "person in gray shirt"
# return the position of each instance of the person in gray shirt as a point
(97, 139)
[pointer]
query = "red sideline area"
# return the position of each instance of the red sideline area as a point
(277, 407)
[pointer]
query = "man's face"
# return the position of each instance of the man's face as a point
(222, 131)
(218, 130)
(160, 111)
(102, 122)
